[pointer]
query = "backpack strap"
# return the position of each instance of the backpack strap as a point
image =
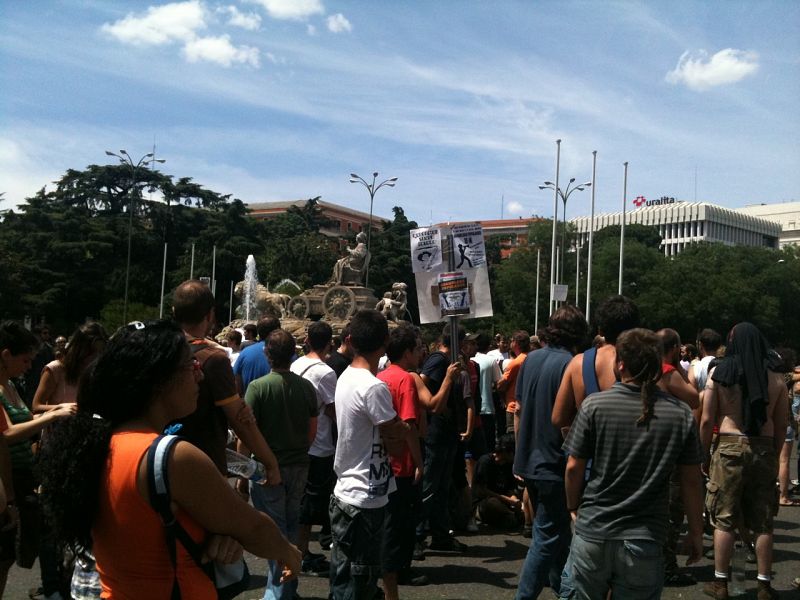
(160, 500)
(590, 383)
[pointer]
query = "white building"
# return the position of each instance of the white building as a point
(787, 214)
(684, 223)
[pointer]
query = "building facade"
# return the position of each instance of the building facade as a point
(684, 223)
(344, 221)
(787, 214)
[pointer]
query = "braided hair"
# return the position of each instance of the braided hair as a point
(640, 351)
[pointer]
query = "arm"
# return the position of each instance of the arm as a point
(416, 451)
(247, 431)
(565, 408)
(395, 433)
(781, 417)
(437, 403)
(573, 483)
(25, 431)
(199, 489)
(312, 430)
(708, 418)
(45, 392)
(692, 496)
(677, 386)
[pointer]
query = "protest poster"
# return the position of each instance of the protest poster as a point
(454, 294)
(426, 249)
(468, 247)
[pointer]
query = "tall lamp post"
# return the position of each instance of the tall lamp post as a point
(125, 159)
(564, 195)
(372, 188)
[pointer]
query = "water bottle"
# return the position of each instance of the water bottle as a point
(738, 560)
(245, 467)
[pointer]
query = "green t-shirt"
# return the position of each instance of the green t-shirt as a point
(284, 404)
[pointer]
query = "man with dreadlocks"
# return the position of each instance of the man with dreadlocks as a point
(635, 435)
(746, 396)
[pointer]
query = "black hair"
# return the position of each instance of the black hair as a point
(401, 339)
(446, 341)
(709, 340)
(16, 339)
(280, 349)
(266, 326)
(482, 343)
(235, 336)
(319, 335)
(506, 443)
(669, 339)
(191, 302)
(251, 329)
(640, 350)
(138, 362)
(566, 328)
(523, 340)
(81, 346)
(368, 331)
(691, 351)
(615, 315)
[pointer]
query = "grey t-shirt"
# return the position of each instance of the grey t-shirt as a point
(628, 490)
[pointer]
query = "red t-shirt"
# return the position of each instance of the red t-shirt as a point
(405, 401)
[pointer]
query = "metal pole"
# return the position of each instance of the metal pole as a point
(369, 231)
(563, 239)
(622, 229)
(191, 265)
(577, 272)
(214, 270)
(451, 265)
(230, 305)
(555, 220)
(163, 282)
(536, 319)
(130, 235)
(591, 238)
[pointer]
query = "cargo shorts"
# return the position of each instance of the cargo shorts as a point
(741, 489)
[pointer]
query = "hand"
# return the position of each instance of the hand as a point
(417, 475)
(63, 411)
(273, 475)
(291, 564)
(465, 437)
(452, 370)
(573, 515)
(223, 549)
(704, 467)
(243, 487)
(693, 546)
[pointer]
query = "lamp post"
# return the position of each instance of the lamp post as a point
(372, 189)
(125, 159)
(564, 195)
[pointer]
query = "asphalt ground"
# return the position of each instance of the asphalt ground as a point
(489, 569)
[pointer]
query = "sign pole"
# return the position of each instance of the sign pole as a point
(538, 262)
(622, 228)
(451, 265)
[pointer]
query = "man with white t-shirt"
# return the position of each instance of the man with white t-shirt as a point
(321, 478)
(367, 425)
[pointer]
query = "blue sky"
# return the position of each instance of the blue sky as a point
(462, 101)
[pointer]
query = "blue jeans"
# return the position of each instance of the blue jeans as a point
(356, 550)
(551, 538)
(633, 569)
(436, 483)
(282, 504)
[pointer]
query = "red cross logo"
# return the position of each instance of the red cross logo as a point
(639, 201)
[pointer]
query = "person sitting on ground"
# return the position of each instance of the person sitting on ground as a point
(95, 481)
(59, 382)
(494, 488)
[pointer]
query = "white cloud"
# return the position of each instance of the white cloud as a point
(160, 24)
(220, 50)
(249, 21)
(700, 73)
(338, 23)
(311, 30)
(515, 208)
(291, 10)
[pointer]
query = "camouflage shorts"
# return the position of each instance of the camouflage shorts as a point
(741, 490)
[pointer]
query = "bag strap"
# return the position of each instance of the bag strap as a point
(158, 490)
(590, 383)
(313, 364)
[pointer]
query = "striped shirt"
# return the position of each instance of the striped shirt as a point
(628, 491)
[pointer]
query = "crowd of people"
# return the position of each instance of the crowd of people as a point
(602, 451)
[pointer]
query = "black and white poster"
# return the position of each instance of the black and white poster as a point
(426, 249)
(468, 247)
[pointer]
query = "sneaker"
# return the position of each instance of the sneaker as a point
(449, 544)
(472, 526)
(325, 540)
(315, 564)
(717, 589)
(419, 551)
(407, 577)
(765, 591)
(678, 578)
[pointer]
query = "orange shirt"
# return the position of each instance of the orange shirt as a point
(510, 375)
(129, 541)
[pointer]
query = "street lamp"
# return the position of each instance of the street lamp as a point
(125, 159)
(372, 189)
(564, 195)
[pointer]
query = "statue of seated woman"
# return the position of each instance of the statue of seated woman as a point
(350, 269)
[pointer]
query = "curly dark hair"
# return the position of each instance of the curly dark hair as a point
(16, 339)
(566, 328)
(138, 362)
(640, 351)
(615, 315)
(83, 343)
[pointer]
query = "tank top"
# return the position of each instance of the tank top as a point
(129, 540)
(22, 451)
(65, 392)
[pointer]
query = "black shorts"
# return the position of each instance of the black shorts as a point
(319, 487)
(400, 521)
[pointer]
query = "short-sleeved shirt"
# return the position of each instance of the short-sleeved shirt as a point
(251, 364)
(627, 493)
(489, 375)
(493, 476)
(539, 454)
(207, 427)
(338, 362)
(363, 402)
(443, 427)
(283, 404)
(510, 375)
(323, 378)
(406, 404)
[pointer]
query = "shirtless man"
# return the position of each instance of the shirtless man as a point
(674, 379)
(614, 315)
(749, 403)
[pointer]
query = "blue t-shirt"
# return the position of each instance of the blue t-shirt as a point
(539, 454)
(251, 364)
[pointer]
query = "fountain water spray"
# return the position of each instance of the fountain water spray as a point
(250, 287)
